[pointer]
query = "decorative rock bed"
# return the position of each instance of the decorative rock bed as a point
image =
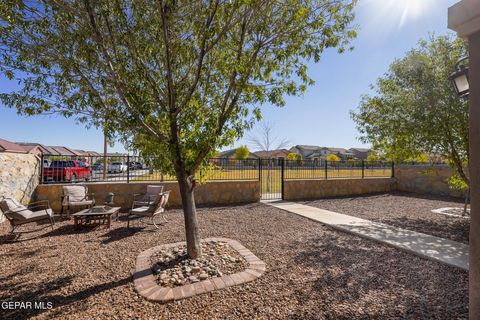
(164, 273)
(173, 268)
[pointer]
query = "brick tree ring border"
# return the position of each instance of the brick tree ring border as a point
(146, 285)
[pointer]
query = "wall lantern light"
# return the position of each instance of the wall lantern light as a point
(459, 78)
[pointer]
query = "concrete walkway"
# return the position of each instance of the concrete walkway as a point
(442, 250)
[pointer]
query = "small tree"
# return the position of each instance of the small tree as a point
(333, 157)
(178, 79)
(242, 153)
(373, 158)
(266, 139)
(414, 110)
(293, 156)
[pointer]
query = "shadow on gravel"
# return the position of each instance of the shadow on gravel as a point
(397, 194)
(44, 294)
(352, 276)
(121, 233)
(457, 229)
(65, 230)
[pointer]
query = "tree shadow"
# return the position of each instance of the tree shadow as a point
(358, 279)
(45, 293)
(421, 196)
(65, 230)
(455, 229)
(121, 233)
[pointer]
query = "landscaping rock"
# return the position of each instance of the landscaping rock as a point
(175, 265)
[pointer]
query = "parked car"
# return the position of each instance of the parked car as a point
(117, 167)
(66, 171)
(98, 166)
(135, 166)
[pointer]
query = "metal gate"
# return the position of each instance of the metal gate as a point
(271, 178)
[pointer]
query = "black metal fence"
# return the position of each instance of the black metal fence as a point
(127, 168)
(350, 169)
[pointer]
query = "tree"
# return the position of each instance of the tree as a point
(292, 156)
(414, 110)
(333, 157)
(373, 158)
(266, 139)
(242, 153)
(179, 79)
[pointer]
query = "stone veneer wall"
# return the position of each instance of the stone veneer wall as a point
(210, 193)
(316, 189)
(19, 176)
(426, 179)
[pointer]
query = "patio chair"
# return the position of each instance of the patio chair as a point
(145, 199)
(17, 214)
(155, 209)
(76, 196)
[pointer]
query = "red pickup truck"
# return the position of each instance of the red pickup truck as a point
(66, 171)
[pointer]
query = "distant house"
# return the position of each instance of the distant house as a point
(360, 153)
(33, 147)
(273, 154)
(8, 146)
(306, 151)
(230, 154)
(318, 153)
(62, 151)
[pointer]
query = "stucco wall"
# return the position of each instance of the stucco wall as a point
(315, 189)
(426, 180)
(19, 176)
(211, 193)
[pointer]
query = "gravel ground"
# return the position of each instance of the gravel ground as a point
(403, 210)
(313, 272)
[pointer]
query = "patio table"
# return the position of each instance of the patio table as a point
(96, 216)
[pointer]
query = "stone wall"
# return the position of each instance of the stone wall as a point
(316, 189)
(19, 176)
(426, 179)
(211, 193)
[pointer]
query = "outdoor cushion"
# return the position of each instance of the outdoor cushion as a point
(41, 214)
(75, 193)
(10, 204)
(31, 216)
(141, 211)
(154, 190)
(14, 210)
(81, 203)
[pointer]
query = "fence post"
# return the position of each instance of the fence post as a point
(363, 169)
(128, 168)
(259, 169)
(41, 169)
(326, 169)
(393, 169)
(283, 174)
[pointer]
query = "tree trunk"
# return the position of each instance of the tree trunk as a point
(194, 250)
(105, 145)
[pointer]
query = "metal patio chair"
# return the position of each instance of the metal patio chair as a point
(152, 211)
(145, 199)
(76, 196)
(18, 214)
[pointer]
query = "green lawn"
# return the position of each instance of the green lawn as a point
(271, 178)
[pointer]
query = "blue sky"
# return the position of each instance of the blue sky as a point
(387, 29)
